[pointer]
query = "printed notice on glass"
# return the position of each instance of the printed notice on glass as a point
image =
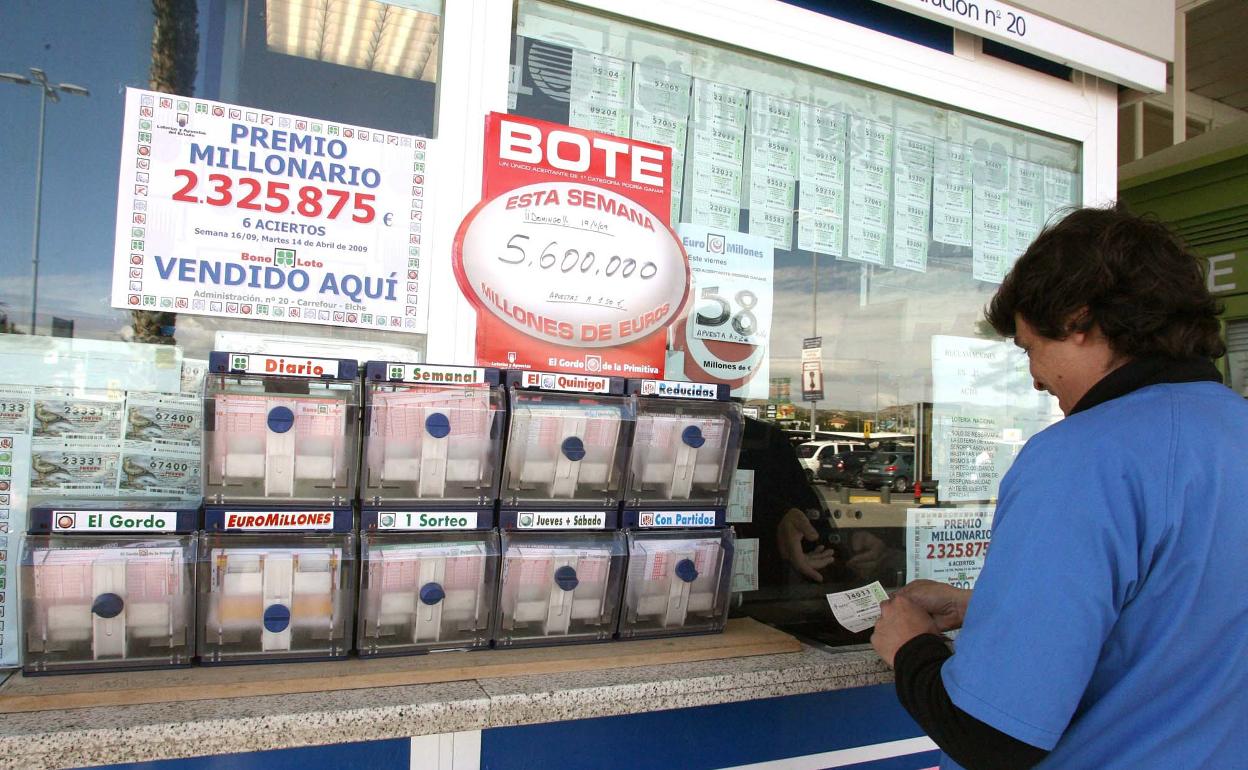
(714, 175)
(231, 211)
(984, 409)
(741, 497)
(599, 94)
(821, 172)
(661, 115)
(745, 565)
(1061, 191)
(990, 253)
(1026, 204)
(912, 193)
(951, 194)
(947, 545)
(858, 609)
(870, 187)
(772, 165)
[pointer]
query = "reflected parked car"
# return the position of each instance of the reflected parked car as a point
(844, 468)
(812, 453)
(891, 469)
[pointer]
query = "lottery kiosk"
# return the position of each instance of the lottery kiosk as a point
(428, 548)
(684, 451)
(108, 584)
(563, 556)
(276, 566)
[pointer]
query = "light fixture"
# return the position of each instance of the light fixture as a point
(397, 38)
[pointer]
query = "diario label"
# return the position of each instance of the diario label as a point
(297, 367)
(676, 519)
(561, 520)
(408, 520)
(279, 519)
(114, 521)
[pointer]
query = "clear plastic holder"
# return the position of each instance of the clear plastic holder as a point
(278, 430)
(275, 596)
(566, 450)
(684, 449)
(431, 435)
(559, 587)
(107, 601)
(678, 582)
(426, 591)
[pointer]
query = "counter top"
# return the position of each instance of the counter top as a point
(92, 736)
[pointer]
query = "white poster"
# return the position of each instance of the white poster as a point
(984, 408)
(661, 116)
(772, 164)
(870, 190)
(947, 545)
(991, 258)
(725, 337)
(599, 95)
(714, 175)
(951, 194)
(912, 185)
(821, 170)
(244, 213)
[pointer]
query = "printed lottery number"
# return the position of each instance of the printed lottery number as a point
(956, 550)
(308, 201)
(743, 321)
(569, 260)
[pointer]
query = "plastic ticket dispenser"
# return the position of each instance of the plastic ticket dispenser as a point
(683, 455)
(563, 476)
(429, 553)
(276, 564)
(108, 584)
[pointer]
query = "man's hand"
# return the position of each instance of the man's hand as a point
(790, 532)
(900, 621)
(946, 604)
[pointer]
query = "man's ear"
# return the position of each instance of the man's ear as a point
(1079, 323)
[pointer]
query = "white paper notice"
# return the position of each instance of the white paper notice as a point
(599, 95)
(713, 180)
(951, 194)
(772, 167)
(821, 172)
(912, 186)
(858, 609)
(745, 565)
(870, 190)
(661, 116)
(741, 497)
(14, 481)
(990, 254)
(947, 544)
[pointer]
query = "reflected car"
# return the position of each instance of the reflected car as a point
(844, 468)
(889, 469)
(813, 453)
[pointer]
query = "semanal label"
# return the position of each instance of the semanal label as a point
(561, 520)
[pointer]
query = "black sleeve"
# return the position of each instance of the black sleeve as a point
(968, 741)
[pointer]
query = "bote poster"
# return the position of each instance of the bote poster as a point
(233, 211)
(569, 259)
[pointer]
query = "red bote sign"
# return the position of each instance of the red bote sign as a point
(567, 259)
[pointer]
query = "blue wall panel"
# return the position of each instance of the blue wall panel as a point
(394, 754)
(710, 737)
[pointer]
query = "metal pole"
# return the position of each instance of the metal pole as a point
(814, 327)
(877, 394)
(34, 259)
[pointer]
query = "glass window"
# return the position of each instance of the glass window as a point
(889, 222)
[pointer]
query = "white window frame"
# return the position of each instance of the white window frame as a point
(475, 71)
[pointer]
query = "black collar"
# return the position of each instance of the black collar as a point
(1142, 372)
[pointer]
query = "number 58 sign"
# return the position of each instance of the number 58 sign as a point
(732, 285)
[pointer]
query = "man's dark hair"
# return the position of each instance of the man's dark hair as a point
(1137, 282)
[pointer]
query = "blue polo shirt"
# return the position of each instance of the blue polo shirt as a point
(1110, 622)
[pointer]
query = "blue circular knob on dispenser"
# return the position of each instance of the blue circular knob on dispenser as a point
(281, 419)
(276, 618)
(565, 578)
(108, 605)
(431, 593)
(692, 436)
(686, 571)
(438, 425)
(573, 448)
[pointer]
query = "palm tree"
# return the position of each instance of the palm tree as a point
(175, 47)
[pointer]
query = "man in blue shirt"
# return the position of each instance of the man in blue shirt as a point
(1109, 627)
